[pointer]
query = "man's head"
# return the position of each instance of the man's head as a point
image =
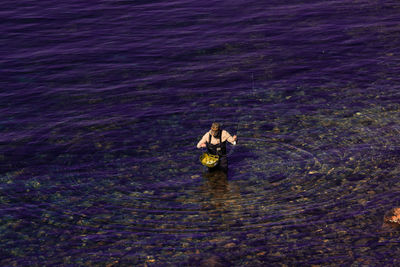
(215, 129)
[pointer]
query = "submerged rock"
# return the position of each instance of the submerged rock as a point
(208, 261)
(392, 219)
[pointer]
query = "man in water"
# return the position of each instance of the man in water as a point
(215, 141)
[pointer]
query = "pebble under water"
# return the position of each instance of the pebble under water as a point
(102, 105)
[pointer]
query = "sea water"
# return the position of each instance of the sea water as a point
(102, 104)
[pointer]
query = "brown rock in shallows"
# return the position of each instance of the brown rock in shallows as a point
(392, 219)
(208, 261)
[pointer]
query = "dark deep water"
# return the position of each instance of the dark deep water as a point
(103, 102)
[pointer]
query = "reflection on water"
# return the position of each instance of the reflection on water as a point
(216, 184)
(224, 196)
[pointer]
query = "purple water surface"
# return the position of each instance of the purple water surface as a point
(102, 104)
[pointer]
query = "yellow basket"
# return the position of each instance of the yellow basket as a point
(209, 160)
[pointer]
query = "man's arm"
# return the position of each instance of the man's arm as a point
(202, 142)
(228, 137)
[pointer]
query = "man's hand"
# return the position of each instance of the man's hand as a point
(234, 140)
(203, 145)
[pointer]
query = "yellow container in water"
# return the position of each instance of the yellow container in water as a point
(209, 160)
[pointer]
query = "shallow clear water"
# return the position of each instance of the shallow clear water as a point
(102, 105)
